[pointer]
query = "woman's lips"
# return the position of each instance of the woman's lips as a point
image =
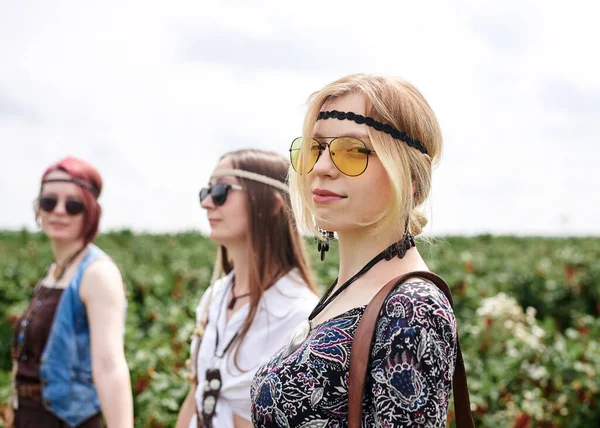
(58, 225)
(322, 196)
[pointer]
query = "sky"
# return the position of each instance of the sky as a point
(153, 93)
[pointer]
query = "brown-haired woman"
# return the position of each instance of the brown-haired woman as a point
(267, 291)
(68, 361)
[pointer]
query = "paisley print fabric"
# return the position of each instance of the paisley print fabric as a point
(410, 375)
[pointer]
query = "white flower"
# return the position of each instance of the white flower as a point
(538, 372)
(465, 256)
(571, 333)
(501, 305)
(538, 331)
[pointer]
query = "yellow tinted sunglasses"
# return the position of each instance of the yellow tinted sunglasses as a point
(349, 155)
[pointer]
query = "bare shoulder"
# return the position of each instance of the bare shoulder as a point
(101, 276)
(102, 269)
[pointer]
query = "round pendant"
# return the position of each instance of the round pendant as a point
(215, 384)
(299, 336)
(209, 404)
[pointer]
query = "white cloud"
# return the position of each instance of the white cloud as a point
(154, 93)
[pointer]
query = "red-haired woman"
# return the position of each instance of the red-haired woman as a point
(68, 361)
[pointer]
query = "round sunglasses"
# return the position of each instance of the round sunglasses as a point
(218, 192)
(349, 155)
(72, 206)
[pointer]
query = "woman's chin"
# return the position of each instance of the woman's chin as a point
(61, 236)
(225, 239)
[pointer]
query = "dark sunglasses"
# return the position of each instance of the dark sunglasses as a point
(349, 155)
(218, 192)
(72, 206)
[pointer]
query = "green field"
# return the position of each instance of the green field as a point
(526, 367)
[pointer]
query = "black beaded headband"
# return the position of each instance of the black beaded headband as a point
(369, 121)
(81, 183)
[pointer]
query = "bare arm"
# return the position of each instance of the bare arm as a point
(239, 422)
(187, 410)
(103, 294)
(9, 416)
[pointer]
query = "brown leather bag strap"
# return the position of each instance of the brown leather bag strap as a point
(361, 352)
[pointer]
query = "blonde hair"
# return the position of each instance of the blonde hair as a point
(392, 101)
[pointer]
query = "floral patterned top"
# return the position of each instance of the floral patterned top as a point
(409, 382)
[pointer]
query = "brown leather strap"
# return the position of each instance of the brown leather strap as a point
(361, 352)
(31, 390)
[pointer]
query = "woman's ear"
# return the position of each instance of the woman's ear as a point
(279, 204)
(36, 212)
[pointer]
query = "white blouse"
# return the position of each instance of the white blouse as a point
(281, 309)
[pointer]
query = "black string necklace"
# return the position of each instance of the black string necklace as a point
(230, 306)
(235, 298)
(212, 379)
(300, 334)
(397, 249)
(60, 268)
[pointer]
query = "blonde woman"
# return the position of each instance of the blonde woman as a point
(361, 168)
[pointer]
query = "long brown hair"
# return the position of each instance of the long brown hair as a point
(274, 244)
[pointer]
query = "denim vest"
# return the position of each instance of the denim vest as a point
(66, 364)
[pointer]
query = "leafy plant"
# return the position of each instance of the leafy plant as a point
(528, 311)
